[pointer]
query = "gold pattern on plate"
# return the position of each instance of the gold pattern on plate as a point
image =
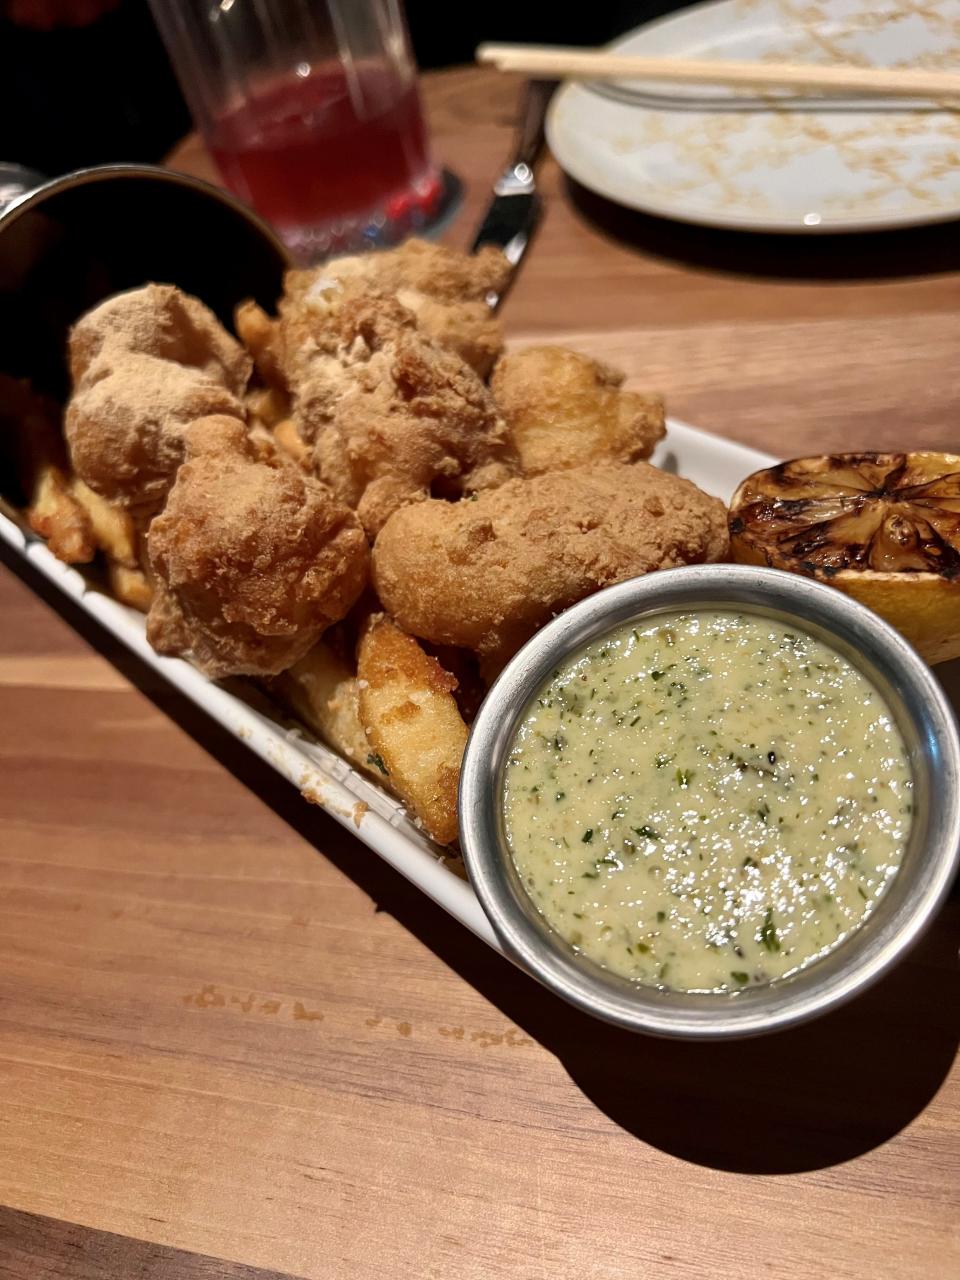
(866, 162)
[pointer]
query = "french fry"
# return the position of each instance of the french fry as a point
(32, 447)
(322, 690)
(258, 333)
(130, 586)
(414, 728)
(268, 405)
(115, 534)
(288, 438)
(57, 516)
(113, 529)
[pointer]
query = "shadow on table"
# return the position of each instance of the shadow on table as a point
(802, 1099)
(879, 255)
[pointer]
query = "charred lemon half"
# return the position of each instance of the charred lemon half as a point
(883, 527)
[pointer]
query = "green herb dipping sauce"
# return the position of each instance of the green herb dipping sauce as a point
(707, 801)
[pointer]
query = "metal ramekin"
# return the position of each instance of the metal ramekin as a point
(930, 861)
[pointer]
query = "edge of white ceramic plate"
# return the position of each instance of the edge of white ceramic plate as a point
(626, 194)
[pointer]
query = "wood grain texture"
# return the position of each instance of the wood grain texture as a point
(228, 1028)
(36, 1246)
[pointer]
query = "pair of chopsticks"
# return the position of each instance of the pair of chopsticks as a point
(598, 64)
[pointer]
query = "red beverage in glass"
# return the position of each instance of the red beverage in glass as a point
(326, 151)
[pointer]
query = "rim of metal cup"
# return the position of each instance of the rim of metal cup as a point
(930, 861)
(101, 172)
(16, 181)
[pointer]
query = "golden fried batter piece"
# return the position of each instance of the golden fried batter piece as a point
(253, 562)
(564, 409)
(146, 364)
(445, 290)
(330, 335)
(427, 427)
(125, 430)
(162, 321)
(394, 417)
(414, 728)
(487, 573)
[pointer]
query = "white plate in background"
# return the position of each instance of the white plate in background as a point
(728, 158)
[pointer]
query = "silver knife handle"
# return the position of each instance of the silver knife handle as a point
(517, 178)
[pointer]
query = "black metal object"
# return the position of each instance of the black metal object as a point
(73, 241)
(514, 212)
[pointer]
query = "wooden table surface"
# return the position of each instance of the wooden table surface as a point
(233, 1043)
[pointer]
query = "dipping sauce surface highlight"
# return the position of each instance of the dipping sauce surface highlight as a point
(707, 800)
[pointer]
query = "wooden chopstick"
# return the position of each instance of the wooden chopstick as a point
(598, 64)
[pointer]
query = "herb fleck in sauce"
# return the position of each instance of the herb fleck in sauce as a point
(708, 801)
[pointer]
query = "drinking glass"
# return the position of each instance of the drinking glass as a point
(311, 110)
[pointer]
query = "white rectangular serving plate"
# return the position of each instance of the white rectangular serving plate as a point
(321, 775)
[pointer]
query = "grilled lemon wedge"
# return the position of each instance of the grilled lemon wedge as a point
(883, 527)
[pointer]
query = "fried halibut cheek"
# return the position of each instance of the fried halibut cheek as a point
(485, 574)
(253, 561)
